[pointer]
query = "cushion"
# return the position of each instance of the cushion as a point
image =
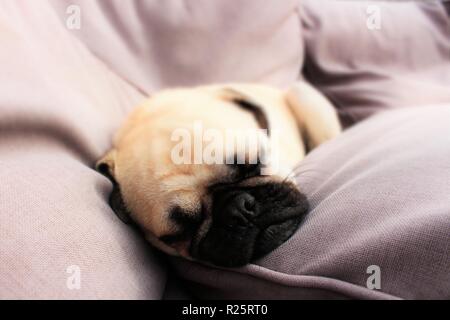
(59, 106)
(156, 44)
(367, 56)
(379, 196)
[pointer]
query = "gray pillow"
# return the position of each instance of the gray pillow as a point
(379, 198)
(368, 56)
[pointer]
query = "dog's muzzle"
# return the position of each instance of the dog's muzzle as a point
(249, 222)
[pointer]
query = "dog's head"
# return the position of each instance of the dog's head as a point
(225, 213)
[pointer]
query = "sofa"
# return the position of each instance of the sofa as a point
(379, 223)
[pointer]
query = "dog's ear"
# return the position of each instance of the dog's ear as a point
(247, 103)
(106, 166)
(314, 113)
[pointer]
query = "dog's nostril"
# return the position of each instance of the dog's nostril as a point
(235, 209)
(245, 203)
(234, 218)
(249, 205)
(240, 210)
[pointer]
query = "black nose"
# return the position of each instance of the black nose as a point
(249, 222)
(238, 209)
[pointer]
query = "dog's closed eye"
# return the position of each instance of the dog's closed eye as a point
(247, 170)
(186, 223)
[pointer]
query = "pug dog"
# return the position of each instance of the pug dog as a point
(223, 213)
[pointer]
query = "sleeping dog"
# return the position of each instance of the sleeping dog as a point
(236, 208)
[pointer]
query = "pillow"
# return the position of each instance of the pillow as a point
(379, 221)
(368, 56)
(156, 44)
(59, 107)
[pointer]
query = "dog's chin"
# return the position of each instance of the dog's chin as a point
(234, 249)
(280, 211)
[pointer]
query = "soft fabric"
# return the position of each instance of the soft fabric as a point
(156, 44)
(369, 56)
(379, 196)
(59, 107)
